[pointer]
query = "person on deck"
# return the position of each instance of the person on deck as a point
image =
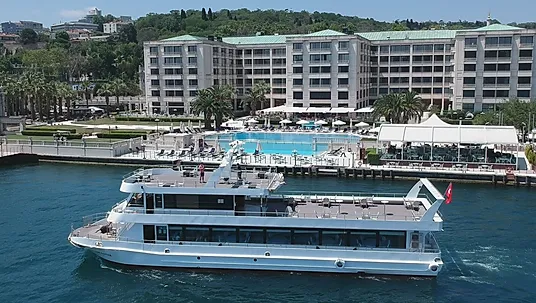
(201, 173)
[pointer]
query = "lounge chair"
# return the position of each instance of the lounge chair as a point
(171, 153)
(161, 153)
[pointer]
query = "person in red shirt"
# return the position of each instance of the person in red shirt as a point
(201, 173)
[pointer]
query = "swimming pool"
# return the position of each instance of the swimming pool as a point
(286, 143)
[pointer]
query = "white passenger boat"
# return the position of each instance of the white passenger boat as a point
(239, 220)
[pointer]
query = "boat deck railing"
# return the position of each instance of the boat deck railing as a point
(150, 246)
(370, 215)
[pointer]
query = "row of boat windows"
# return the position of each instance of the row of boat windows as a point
(169, 201)
(315, 237)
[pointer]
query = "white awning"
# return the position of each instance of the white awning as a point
(320, 110)
(365, 110)
(464, 134)
(341, 110)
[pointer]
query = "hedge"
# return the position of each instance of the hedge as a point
(128, 131)
(52, 129)
(373, 159)
(146, 119)
(121, 135)
(49, 133)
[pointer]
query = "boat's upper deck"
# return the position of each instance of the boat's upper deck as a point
(181, 177)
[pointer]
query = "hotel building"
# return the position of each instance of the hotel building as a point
(469, 70)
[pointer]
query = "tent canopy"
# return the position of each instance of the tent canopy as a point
(365, 110)
(434, 120)
(464, 134)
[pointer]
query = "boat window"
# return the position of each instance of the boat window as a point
(333, 238)
(278, 236)
(175, 233)
(251, 235)
(158, 200)
(136, 200)
(161, 233)
(393, 239)
(362, 239)
(224, 235)
(196, 234)
(305, 237)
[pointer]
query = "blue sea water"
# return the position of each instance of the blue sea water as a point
(286, 142)
(489, 247)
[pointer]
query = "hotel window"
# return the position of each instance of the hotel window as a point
(505, 40)
(492, 41)
(469, 80)
(490, 67)
(470, 54)
(344, 44)
(153, 61)
(439, 47)
(438, 90)
(439, 58)
(154, 71)
(153, 50)
(384, 59)
(468, 93)
(343, 81)
(425, 48)
(297, 46)
(523, 93)
(438, 69)
(320, 95)
(192, 82)
(525, 53)
(297, 58)
(471, 42)
(297, 82)
(192, 60)
(192, 49)
(278, 52)
(526, 40)
(261, 52)
(470, 107)
(172, 49)
(505, 53)
(192, 71)
(343, 69)
(297, 70)
(503, 67)
(320, 58)
(525, 66)
(155, 93)
(279, 91)
(502, 93)
(488, 94)
(297, 95)
(523, 80)
(155, 82)
(248, 52)
(193, 93)
(342, 95)
(384, 49)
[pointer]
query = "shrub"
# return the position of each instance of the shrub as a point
(50, 134)
(530, 154)
(373, 158)
(125, 131)
(121, 135)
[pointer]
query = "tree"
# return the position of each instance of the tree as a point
(399, 108)
(257, 96)
(204, 14)
(229, 16)
(183, 14)
(209, 14)
(128, 34)
(28, 36)
(119, 88)
(106, 90)
(85, 90)
(214, 102)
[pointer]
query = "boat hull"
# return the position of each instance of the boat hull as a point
(267, 259)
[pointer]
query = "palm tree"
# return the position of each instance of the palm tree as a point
(33, 84)
(85, 87)
(106, 90)
(67, 94)
(214, 102)
(399, 108)
(119, 88)
(203, 105)
(257, 96)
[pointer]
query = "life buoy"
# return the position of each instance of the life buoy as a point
(339, 263)
(508, 170)
(359, 163)
(433, 267)
(267, 254)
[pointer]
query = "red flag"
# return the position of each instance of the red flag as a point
(448, 194)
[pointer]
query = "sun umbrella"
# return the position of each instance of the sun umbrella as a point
(286, 121)
(302, 122)
(252, 121)
(321, 122)
(362, 124)
(339, 123)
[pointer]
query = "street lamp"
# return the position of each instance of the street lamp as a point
(295, 155)
(157, 120)
(523, 131)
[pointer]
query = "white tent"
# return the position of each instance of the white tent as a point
(339, 123)
(252, 121)
(286, 121)
(362, 124)
(302, 122)
(341, 110)
(277, 109)
(321, 122)
(434, 120)
(464, 134)
(318, 110)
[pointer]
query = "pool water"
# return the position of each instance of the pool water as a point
(285, 143)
